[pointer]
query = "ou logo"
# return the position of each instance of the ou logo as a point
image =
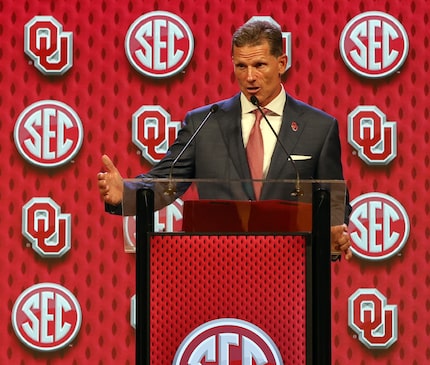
(372, 318)
(48, 45)
(159, 44)
(153, 131)
(228, 341)
(48, 230)
(46, 317)
(372, 135)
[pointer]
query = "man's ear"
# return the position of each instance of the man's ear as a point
(282, 64)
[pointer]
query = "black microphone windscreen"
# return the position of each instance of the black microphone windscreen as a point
(254, 100)
(214, 108)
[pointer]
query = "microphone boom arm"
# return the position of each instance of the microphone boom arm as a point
(171, 187)
(298, 190)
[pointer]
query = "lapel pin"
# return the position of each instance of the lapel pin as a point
(294, 126)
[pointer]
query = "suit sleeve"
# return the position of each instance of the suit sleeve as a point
(330, 163)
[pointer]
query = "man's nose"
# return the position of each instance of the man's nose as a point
(251, 74)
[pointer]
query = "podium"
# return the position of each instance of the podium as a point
(242, 281)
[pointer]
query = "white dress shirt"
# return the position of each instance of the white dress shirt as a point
(269, 139)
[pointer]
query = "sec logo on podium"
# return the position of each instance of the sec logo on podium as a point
(228, 341)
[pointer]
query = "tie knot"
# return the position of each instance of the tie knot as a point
(259, 115)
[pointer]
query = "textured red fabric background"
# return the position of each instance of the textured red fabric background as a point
(104, 89)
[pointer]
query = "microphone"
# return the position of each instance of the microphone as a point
(171, 188)
(297, 190)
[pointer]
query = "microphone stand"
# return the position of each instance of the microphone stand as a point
(171, 187)
(297, 190)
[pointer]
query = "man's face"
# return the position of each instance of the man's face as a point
(258, 72)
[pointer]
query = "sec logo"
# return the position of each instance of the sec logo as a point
(379, 226)
(159, 44)
(46, 317)
(48, 133)
(374, 44)
(227, 341)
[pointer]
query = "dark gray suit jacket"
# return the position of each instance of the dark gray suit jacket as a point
(217, 152)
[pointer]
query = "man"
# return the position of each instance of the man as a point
(219, 149)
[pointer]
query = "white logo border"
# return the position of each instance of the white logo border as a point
(227, 322)
(169, 15)
(78, 125)
(405, 216)
(42, 286)
(376, 14)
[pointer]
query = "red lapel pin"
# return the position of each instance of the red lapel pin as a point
(294, 126)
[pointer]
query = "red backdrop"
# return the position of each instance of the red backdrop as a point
(105, 90)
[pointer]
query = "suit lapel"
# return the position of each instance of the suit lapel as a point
(229, 119)
(291, 130)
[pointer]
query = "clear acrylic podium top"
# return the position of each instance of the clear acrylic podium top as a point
(214, 206)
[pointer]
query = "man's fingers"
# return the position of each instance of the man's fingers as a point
(341, 240)
(348, 254)
(101, 176)
(108, 164)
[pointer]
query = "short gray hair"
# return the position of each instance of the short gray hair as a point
(255, 32)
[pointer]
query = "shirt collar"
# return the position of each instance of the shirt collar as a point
(276, 105)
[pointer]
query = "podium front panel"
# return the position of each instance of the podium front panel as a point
(260, 279)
